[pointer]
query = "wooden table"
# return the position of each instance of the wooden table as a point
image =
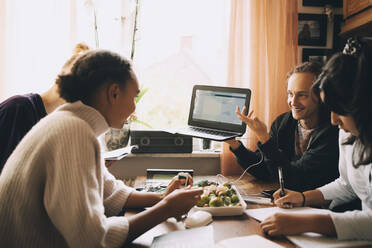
(223, 227)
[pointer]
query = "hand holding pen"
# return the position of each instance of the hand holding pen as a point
(289, 200)
(285, 198)
(282, 193)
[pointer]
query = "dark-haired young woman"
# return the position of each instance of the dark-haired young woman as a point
(55, 190)
(346, 87)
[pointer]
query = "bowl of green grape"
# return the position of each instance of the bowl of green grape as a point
(220, 199)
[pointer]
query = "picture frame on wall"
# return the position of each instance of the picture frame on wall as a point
(316, 54)
(322, 3)
(312, 29)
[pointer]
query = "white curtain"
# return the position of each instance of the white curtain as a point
(37, 37)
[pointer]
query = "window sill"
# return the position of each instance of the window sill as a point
(196, 154)
(133, 165)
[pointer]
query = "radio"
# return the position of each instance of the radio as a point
(150, 141)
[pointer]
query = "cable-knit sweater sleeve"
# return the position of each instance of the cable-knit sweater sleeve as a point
(115, 193)
(74, 191)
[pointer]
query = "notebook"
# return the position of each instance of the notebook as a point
(212, 113)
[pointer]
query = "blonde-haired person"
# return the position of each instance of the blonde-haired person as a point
(346, 88)
(55, 190)
(18, 114)
(302, 141)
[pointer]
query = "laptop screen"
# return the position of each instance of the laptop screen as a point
(214, 107)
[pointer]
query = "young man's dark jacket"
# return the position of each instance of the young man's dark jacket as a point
(317, 166)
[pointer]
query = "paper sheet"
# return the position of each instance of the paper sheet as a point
(306, 240)
(262, 213)
(200, 237)
(242, 242)
(314, 240)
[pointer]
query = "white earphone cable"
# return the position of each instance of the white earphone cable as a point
(222, 179)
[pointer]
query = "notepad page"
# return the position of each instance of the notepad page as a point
(262, 213)
(314, 240)
(200, 237)
(247, 241)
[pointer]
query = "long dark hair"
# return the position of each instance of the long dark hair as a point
(346, 81)
(91, 70)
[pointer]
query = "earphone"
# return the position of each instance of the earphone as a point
(233, 182)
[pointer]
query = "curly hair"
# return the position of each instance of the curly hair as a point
(346, 82)
(91, 70)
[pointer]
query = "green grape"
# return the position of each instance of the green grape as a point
(215, 202)
(234, 198)
(203, 200)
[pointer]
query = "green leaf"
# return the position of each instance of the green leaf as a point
(141, 94)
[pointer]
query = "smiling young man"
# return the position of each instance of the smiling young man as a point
(301, 141)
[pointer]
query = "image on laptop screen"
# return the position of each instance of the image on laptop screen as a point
(217, 106)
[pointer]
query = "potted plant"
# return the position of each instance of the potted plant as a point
(118, 138)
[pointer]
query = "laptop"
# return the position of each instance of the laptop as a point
(212, 113)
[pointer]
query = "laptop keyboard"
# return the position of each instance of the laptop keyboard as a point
(212, 132)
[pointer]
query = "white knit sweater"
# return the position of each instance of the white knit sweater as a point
(55, 190)
(353, 183)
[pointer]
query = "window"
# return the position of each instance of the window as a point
(178, 44)
(37, 37)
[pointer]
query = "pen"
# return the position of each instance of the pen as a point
(282, 192)
(281, 182)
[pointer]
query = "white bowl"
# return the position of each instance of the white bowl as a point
(226, 211)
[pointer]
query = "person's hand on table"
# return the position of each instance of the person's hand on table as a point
(281, 224)
(291, 198)
(180, 201)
